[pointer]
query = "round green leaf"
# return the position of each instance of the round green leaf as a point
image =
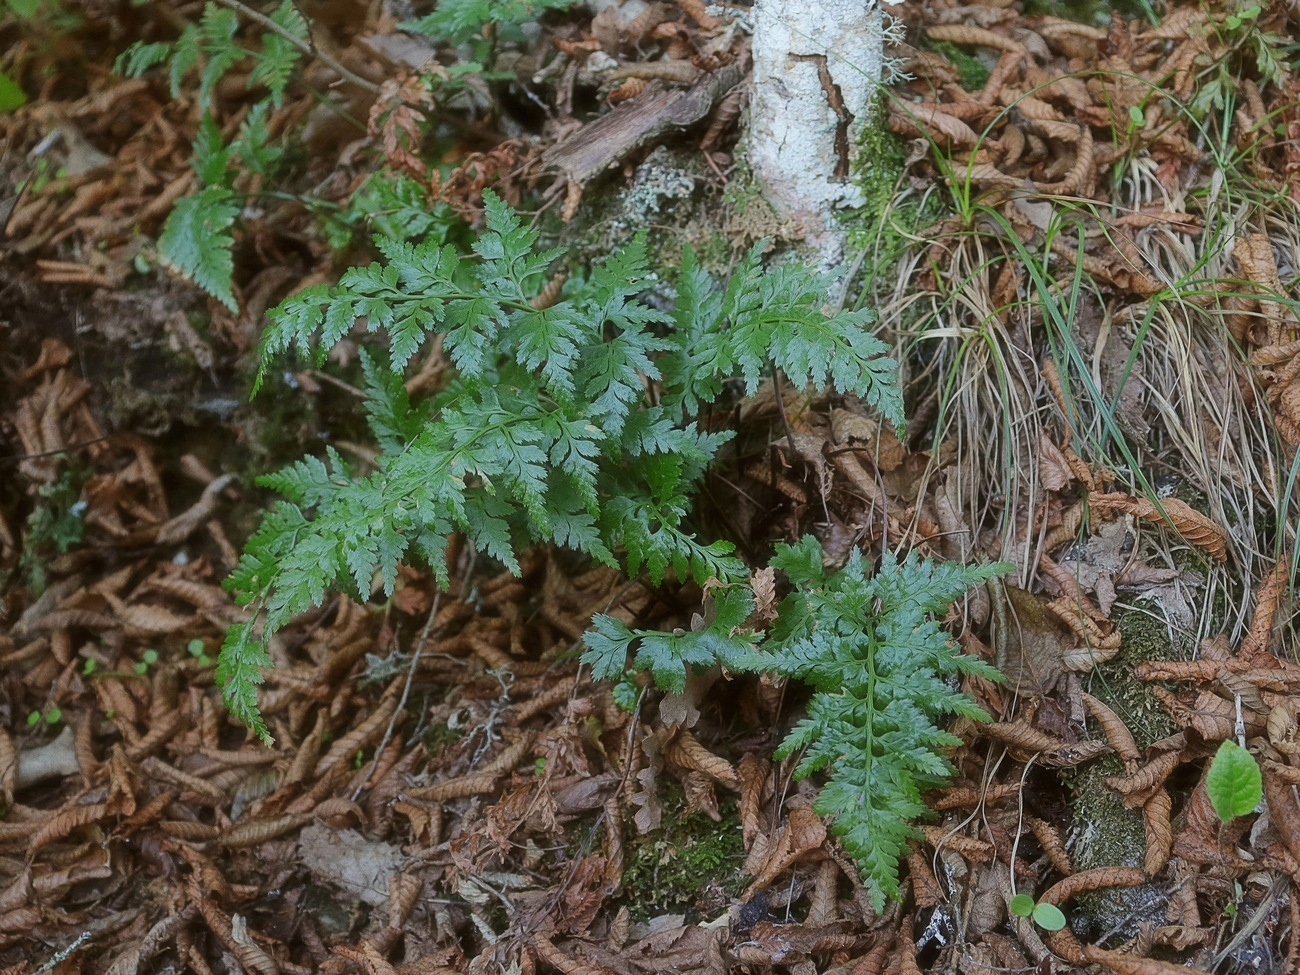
(53, 716)
(1022, 905)
(151, 657)
(11, 95)
(1049, 917)
(1233, 783)
(195, 647)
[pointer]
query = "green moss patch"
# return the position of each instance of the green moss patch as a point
(689, 864)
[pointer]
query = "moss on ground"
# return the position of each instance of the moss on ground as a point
(883, 227)
(1143, 637)
(973, 72)
(689, 864)
(1108, 835)
(1105, 833)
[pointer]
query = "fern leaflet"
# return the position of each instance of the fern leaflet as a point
(884, 676)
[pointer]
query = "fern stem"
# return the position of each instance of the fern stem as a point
(308, 49)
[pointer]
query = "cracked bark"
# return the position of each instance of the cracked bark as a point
(817, 64)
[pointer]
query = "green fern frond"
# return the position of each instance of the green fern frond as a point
(140, 57)
(884, 677)
(196, 241)
(560, 426)
(456, 21)
(278, 57)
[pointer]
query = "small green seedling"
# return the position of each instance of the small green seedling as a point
(88, 668)
(198, 650)
(1234, 783)
(539, 767)
(49, 716)
(1230, 909)
(626, 692)
(150, 657)
(1046, 916)
(1234, 21)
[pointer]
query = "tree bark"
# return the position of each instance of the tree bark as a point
(817, 64)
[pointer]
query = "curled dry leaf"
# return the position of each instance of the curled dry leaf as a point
(1135, 788)
(956, 798)
(687, 752)
(1076, 754)
(1159, 831)
(1049, 838)
(1021, 734)
(468, 785)
(925, 888)
(1129, 965)
(64, 821)
(629, 89)
(1285, 814)
(1191, 524)
(550, 294)
(1097, 879)
(568, 964)
(1117, 733)
(804, 832)
(953, 129)
(752, 777)
(940, 837)
(974, 37)
(260, 830)
(1257, 638)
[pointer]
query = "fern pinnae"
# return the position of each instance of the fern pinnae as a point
(880, 668)
(546, 431)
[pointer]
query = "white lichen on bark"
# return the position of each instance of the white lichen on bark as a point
(817, 67)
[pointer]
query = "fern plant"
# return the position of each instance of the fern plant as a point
(573, 424)
(464, 21)
(884, 678)
(197, 239)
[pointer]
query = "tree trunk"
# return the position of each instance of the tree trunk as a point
(817, 64)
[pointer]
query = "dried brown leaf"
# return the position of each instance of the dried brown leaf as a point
(1135, 788)
(974, 37)
(1159, 832)
(1097, 879)
(752, 778)
(1117, 733)
(1130, 965)
(1191, 524)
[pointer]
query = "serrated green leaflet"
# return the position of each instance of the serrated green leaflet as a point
(880, 667)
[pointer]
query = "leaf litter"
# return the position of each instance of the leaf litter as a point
(448, 793)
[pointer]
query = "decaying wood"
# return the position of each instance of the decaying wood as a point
(643, 121)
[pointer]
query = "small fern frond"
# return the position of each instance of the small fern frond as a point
(457, 21)
(884, 677)
(196, 241)
(140, 57)
(275, 62)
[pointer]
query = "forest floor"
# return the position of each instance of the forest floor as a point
(1082, 239)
